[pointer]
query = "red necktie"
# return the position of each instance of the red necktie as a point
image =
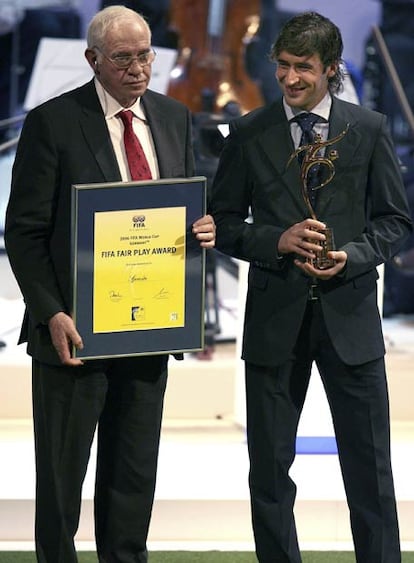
(137, 162)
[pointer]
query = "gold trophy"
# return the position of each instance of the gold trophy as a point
(311, 158)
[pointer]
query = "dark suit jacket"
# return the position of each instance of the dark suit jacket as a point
(365, 204)
(65, 141)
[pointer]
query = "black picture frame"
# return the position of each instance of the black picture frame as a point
(186, 196)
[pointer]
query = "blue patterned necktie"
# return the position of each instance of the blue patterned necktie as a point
(306, 121)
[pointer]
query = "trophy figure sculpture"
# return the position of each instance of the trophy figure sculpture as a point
(312, 158)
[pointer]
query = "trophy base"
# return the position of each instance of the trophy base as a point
(322, 261)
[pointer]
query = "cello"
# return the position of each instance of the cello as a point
(210, 72)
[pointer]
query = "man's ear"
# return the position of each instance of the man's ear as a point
(332, 70)
(92, 60)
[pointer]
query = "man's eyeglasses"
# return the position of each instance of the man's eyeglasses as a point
(125, 61)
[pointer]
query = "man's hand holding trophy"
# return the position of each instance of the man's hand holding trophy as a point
(317, 165)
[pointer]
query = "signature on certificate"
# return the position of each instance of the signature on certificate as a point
(133, 278)
(115, 295)
(162, 294)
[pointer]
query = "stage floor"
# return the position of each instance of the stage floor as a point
(202, 499)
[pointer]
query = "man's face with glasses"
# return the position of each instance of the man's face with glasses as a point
(123, 63)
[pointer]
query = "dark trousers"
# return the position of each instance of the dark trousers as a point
(125, 398)
(358, 400)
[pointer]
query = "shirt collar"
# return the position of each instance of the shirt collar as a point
(111, 107)
(322, 109)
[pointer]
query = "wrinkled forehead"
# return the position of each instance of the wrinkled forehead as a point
(128, 27)
(127, 33)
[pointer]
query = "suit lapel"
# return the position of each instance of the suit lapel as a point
(95, 130)
(340, 120)
(276, 142)
(277, 145)
(96, 133)
(164, 147)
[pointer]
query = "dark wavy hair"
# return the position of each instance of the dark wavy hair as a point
(311, 33)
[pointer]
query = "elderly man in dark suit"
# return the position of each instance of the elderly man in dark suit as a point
(73, 139)
(296, 312)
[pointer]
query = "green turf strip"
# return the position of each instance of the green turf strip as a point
(203, 557)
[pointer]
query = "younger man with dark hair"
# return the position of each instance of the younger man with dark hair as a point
(297, 313)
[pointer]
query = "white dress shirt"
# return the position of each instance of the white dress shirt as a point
(141, 128)
(322, 109)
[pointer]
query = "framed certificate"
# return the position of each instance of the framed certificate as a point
(138, 271)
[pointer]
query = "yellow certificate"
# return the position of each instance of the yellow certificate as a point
(139, 269)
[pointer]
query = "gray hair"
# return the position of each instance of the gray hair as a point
(108, 18)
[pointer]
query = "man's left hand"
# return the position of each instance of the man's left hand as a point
(204, 230)
(340, 258)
